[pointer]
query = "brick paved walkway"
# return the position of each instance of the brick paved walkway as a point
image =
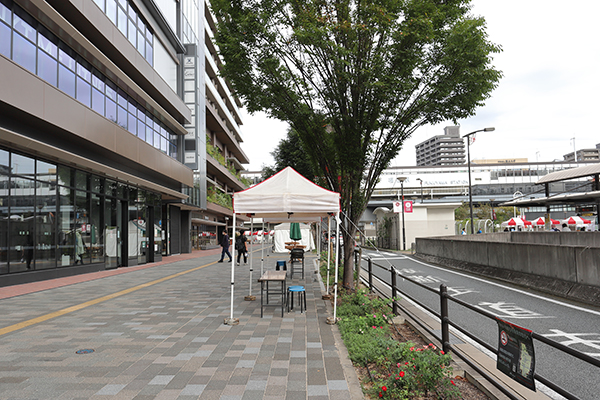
(157, 332)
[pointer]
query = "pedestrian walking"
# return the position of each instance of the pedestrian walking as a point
(225, 245)
(241, 247)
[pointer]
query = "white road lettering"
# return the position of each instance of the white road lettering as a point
(511, 310)
(576, 338)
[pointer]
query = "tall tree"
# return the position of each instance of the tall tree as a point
(355, 78)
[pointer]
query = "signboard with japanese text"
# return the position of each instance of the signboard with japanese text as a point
(516, 357)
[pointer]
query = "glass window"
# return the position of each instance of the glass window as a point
(132, 14)
(48, 46)
(122, 20)
(149, 134)
(24, 52)
(24, 28)
(110, 187)
(84, 93)
(149, 55)
(122, 98)
(98, 101)
(111, 110)
(132, 33)
(96, 184)
(141, 130)
(98, 80)
(132, 106)
(4, 162)
(47, 68)
(156, 140)
(84, 71)
(66, 80)
(22, 206)
(5, 41)
(81, 180)
(100, 4)
(22, 165)
(141, 112)
(66, 224)
(95, 230)
(46, 171)
(45, 228)
(66, 59)
(132, 123)
(141, 43)
(122, 117)
(5, 13)
(64, 175)
(111, 10)
(111, 90)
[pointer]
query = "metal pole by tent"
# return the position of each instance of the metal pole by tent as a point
(250, 297)
(328, 248)
(231, 320)
(262, 249)
(335, 283)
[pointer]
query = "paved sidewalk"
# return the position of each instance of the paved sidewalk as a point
(157, 332)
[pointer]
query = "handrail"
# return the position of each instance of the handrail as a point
(445, 322)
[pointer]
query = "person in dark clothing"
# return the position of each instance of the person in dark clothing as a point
(241, 247)
(225, 245)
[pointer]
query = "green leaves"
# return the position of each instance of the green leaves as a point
(355, 78)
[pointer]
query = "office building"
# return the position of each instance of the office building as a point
(446, 149)
(103, 134)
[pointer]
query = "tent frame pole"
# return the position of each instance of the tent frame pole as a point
(262, 248)
(251, 227)
(328, 249)
(231, 320)
(337, 249)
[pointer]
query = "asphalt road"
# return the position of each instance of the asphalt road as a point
(573, 325)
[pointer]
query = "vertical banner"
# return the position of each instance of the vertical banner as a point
(516, 357)
(408, 206)
(397, 207)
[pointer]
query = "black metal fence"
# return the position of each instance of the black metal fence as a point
(446, 322)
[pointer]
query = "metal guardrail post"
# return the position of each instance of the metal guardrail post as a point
(444, 318)
(370, 263)
(394, 291)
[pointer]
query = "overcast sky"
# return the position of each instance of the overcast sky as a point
(549, 93)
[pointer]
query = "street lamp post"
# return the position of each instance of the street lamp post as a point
(493, 216)
(421, 182)
(468, 136)
(402, 179)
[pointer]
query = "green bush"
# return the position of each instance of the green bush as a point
(400, 370)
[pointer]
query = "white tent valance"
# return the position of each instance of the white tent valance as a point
(286, 196)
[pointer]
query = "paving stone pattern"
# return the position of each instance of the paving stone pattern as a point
(168, 340)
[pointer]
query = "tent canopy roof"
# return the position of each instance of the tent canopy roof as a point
(287, 197)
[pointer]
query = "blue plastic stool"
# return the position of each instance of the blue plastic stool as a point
(301, 297)
(280, 263)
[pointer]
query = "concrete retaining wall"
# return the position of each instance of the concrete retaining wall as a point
(526, 258)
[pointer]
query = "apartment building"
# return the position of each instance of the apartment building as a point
(446, 149)
(104, 121)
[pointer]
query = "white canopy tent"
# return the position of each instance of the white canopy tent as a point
(285, 197)
(282, 235)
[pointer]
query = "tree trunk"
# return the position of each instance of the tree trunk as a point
(348, 251)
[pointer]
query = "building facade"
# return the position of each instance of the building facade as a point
(103, 134)
(446, 149)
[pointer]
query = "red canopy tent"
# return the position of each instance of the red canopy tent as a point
(541, 221)
(577, 221)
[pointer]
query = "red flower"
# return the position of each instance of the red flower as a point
(380, 394)
(452, 382)
(401, 374)
(384, 388)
